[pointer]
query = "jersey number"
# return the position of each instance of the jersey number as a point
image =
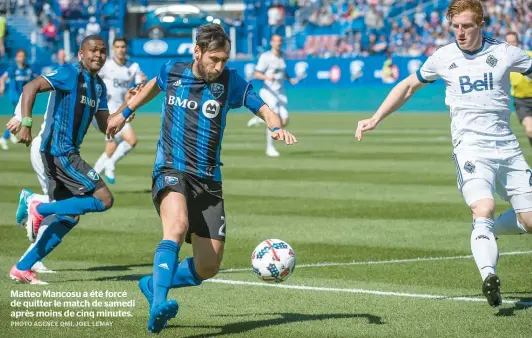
(221, 231)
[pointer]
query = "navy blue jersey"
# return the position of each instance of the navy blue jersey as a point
(193, 118)
(76, 98)
(18, 77)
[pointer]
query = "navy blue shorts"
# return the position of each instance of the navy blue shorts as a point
(205, 205)
(69, 176)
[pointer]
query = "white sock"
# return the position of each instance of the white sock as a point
(484, 246)
(507, 224)
(269, 139)
(121, 151)
(40, 198)
(100, 164)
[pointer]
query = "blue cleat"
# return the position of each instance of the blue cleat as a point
(144, 285)
(160, 314)
(22, 210)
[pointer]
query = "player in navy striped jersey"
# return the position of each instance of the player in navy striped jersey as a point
(78, 95)
(187, 181)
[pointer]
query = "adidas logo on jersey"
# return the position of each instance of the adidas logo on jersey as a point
(453, 66)
(164, 266)
(177, 83)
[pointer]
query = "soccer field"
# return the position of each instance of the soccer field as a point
(380, 232)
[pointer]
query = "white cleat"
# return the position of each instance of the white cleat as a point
(272, 152)
(40, 268)
(110, 172)
(3, 144)
(255, 121)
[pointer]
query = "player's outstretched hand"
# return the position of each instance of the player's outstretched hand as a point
(24, 136)
(115, 123)
(13, 125)
(363, 126)
(284, 135)
(132, 92)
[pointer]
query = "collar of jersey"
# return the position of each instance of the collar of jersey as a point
(473, 52)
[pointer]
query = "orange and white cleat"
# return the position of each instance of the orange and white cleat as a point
(34, 221)
(25, 276)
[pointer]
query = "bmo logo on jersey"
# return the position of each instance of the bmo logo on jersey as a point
(210, 109)
(177, 101)
(121, 83)
(87, 101)
(478, 85)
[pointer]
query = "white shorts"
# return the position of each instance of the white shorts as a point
(276, 101)
(37, 164)
(504, 172)
(118, 136)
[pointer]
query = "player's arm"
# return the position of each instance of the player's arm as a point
(27, 100)
(146, 94)
(260, 70)
(398, 96)
(244, 95)
(520, 61)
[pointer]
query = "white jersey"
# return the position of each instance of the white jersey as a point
(477, 89)
(272, 65)
(118, 79)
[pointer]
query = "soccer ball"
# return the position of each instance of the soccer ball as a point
(273, 261)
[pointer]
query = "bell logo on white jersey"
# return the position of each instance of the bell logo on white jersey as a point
(478, 86)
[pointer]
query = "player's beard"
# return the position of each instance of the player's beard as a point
(205, 74)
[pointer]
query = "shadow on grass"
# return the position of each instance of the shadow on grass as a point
(283, 318)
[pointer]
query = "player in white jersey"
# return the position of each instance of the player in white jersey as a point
(271, 68)
(118, 74)
(488, 158)
(26, 195)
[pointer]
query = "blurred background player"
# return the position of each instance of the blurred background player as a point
(118, 74)
(18, 75)
(521, 92)
(271, 68)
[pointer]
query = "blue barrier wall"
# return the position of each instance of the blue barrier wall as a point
(330, 85)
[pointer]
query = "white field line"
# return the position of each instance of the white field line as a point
(362, 291)
(392, 261)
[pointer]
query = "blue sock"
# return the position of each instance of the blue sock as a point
(6, 134)
(164, 265)
(58, 227)
(71, 206)
(185, 275)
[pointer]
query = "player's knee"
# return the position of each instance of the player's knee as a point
(107, 201)
(132, 142)
(207, 269)
(525, 219)
(175, 230)
(483, 208)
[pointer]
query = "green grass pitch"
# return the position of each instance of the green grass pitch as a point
(382, 203)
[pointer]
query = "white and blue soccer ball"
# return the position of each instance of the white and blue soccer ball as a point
(273, 261)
